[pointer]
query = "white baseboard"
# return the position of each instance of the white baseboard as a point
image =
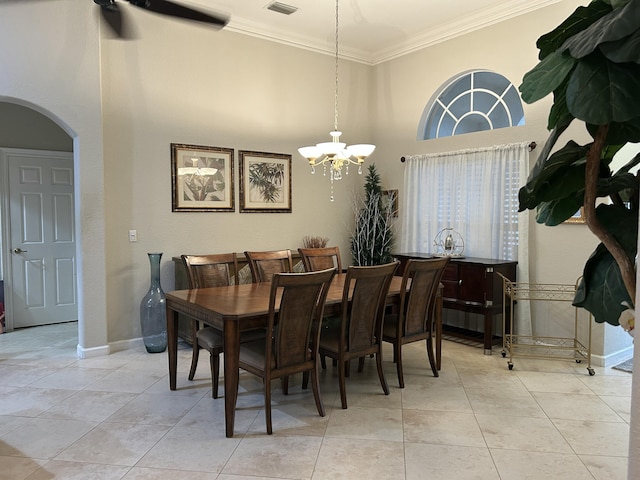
(614, 358)
(110, 348)
(93, 351)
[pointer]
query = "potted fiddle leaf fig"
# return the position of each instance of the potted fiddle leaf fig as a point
(591, 64)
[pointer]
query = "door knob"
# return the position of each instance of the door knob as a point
(19, 250)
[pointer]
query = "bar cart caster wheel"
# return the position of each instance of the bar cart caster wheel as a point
(592, 372)
(578, 360)
(504, 354)
(510, 365)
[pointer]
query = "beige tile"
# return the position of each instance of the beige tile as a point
(366, 459)
(210, 411)
(154, 409)
(553, 382)
(128, 381)
(447, 462)
(595, 438)
(495, 402)
(294, 418)
(576, 407)
(115, 444)
(275, 456)
(8, 423)
(195, 448)
(23, 375)
(366, 423)
(139, 473)
(503, 381)
(71, 378)
(89, 406)
(30, 402)
(435, 397)
(620, 405)
(521, 465)
(43, 437)
(606, 468)
(447, 428)
(78, 471)
(522, 433)
(608, 384)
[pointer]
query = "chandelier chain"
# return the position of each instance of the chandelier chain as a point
(335, 98)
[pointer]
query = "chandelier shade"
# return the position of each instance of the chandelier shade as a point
(335, 155)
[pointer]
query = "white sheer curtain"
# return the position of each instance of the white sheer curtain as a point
(475, 192)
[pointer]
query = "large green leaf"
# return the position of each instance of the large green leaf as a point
(615, 25)
(546, 151)
(580, 19)
(601, 92)
(602, 289)
(620, 133)
(560, 115)
(625, 50)
(557, 211)
(545, 77)
(541, 186)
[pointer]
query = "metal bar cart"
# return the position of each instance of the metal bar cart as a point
(536, 346)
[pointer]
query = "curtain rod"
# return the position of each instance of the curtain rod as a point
(532, 146)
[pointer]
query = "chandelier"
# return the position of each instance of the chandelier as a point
(335, 155)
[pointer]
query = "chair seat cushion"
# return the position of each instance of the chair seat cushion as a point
(252, 354)
(210, 338)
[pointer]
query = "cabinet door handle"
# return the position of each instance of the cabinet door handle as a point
(460, 282)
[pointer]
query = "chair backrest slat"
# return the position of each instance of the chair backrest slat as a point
(264, 265)
(362, 316)
(215, 270)
(300, 298)
(416, 306)
(315, 259)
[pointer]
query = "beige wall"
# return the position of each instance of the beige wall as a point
(185, 84)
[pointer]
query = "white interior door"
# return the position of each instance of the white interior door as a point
(42, 237)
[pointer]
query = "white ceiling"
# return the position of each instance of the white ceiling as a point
(371, 31)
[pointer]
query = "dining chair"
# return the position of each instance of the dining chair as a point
(315, 259)
(293, 346)
(264, 265)
(359, 330)
(414, 320)
(203, 271)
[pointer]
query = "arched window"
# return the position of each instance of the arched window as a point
(471, 102)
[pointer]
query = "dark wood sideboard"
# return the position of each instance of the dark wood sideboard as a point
(471, 285)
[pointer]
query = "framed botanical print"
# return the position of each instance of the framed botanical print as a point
(265, 182)
(201, 178)
(577, 217)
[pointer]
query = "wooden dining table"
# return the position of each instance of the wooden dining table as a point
(238, 308)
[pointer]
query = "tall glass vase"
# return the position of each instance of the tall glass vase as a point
(153, 315)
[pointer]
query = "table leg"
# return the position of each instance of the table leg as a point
(439, 330)
(172, 345)
(231, 372)
(488, 331)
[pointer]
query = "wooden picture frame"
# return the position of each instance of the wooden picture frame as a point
(388, 196)
(202, 178)
(577, 217)
(265, 182)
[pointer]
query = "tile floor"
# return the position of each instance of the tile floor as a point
(114, 417)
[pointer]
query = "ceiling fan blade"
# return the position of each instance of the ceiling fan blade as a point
(172, 9)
